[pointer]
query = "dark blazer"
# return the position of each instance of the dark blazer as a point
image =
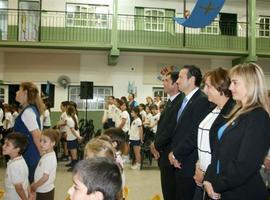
(220, 120)
(167, 123)
(241, 151)
(163, 140)
(184, 142)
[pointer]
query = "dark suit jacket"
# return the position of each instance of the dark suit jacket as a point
(167, 123)
(220, 120)
(241, 151)
(185, 137)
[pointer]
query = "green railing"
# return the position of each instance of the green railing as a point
(134, 32)
(53, 27)
(59, 27)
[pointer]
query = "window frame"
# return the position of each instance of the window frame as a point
(214, 25)
(90, 17)
(164, 96)
(151, 17)
(2, 93)
(263, 24)
(4, 23)
(90, 101)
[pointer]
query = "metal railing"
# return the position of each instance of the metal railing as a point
(133, 31)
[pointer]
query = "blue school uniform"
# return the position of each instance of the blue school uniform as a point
(31, 154)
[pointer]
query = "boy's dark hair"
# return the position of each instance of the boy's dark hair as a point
(142, 105)
(18, 140)
(117, 135)
(100, 175)
(136, 110)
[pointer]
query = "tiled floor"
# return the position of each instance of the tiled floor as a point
(143, 185)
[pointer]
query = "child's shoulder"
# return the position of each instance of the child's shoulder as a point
(49, 156)
(16, 163)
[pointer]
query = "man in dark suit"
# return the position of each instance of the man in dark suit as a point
(166, 125)
(194, 108)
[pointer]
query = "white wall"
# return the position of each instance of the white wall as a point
(219, 62)
(13, 4)
(59, 5)
(40, 67)
(265, 64)
(94, 68)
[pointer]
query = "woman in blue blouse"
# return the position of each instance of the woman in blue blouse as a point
(28, 123)
(242, 142)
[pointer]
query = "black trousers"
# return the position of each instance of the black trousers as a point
(167, 176)
(200, 194)
(45, 196)
(185, 187)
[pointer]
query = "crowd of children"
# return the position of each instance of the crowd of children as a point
(138, 122)
(120, 125)
(100, 174)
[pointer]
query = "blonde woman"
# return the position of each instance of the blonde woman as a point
(242, 142)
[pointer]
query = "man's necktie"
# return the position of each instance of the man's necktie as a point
(184, 103)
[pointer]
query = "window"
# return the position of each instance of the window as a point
(81, 15)
(264, 27)
(159, 91)
(3, 20)
(2, 94)
(100, 96)
(154, 19)
(212, 29)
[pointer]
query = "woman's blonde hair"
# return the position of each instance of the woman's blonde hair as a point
(98, 147)
(254, 80)
(33, 96)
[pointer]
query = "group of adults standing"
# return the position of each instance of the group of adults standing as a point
(211, 144)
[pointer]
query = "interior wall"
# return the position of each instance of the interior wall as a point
(59, 5)
(40, 67)
(219, 62)
(153, 64)
(128, 69)
(13, 4)
(265, 64)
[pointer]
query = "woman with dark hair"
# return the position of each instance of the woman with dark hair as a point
(216, 86)
(28, 123)
(243, 141)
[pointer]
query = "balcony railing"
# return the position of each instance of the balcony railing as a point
(134, 32)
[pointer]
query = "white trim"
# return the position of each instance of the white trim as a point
(151, 17)
(84, 15)
(262, 27)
